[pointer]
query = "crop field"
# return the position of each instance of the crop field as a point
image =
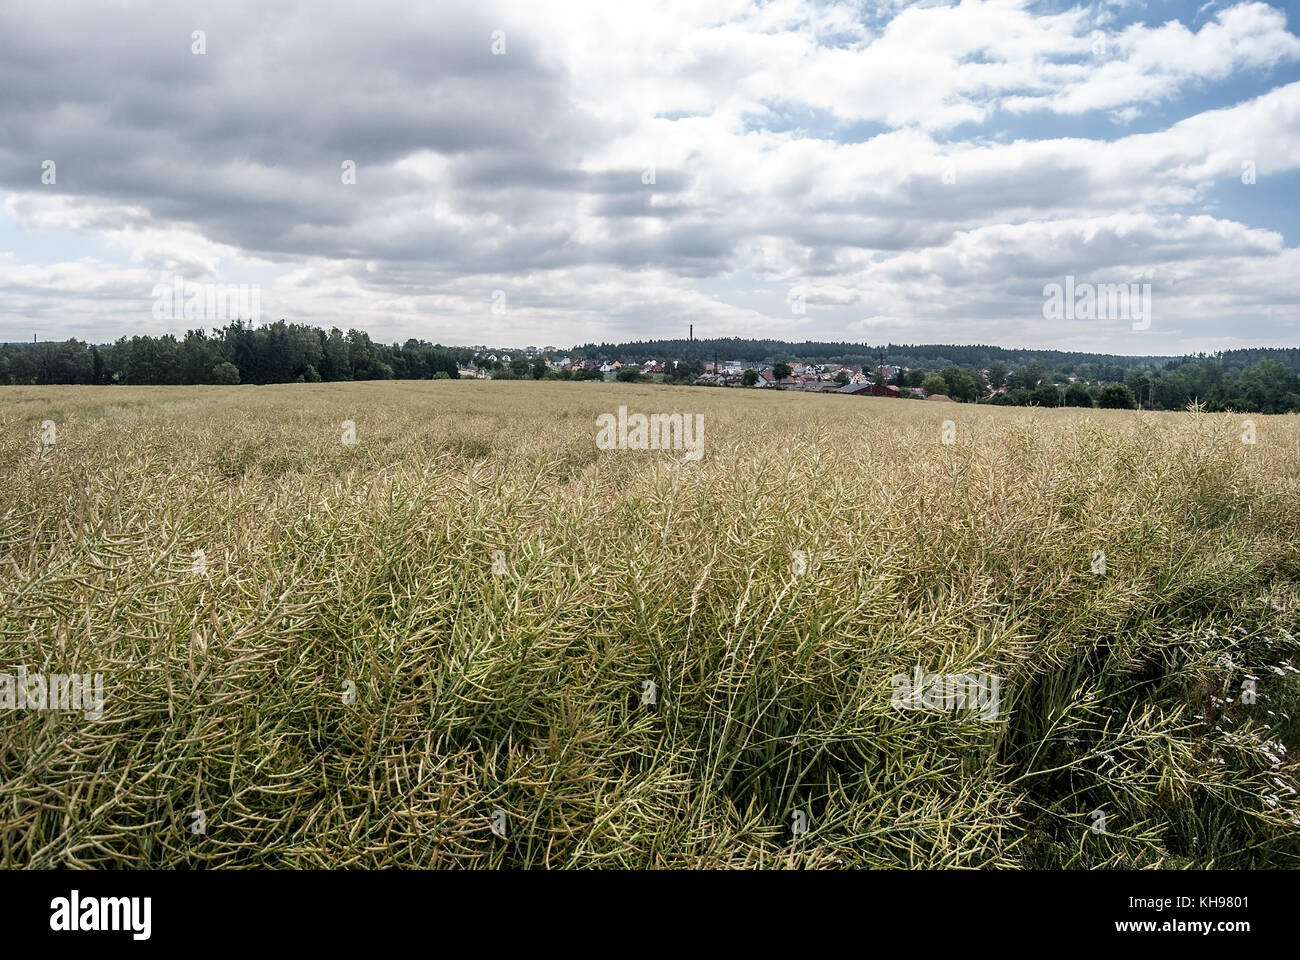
(432, 624)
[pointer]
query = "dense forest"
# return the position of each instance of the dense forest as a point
(1264, 386)
(239, 353)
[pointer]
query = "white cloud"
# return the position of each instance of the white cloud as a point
(525, 172)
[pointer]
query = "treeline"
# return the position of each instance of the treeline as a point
(1264, 386)
(1256, 380)
(238, 353)
(931, 356)
(1261, 380)
(1089, 366)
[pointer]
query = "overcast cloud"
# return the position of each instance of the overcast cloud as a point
(917, 171)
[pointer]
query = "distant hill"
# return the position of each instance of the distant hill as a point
(928, 356)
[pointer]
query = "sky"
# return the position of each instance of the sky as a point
(524, 173)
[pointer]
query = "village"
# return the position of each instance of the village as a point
(1072, 382)
(811, 377)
